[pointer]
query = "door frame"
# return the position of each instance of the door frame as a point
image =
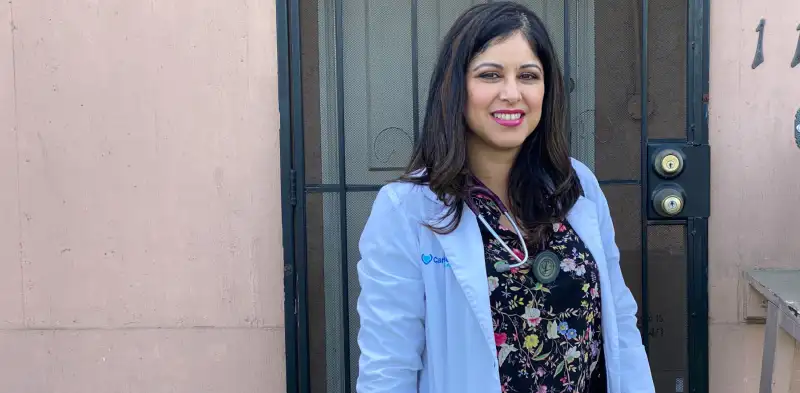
(293, 191)
(697, 228)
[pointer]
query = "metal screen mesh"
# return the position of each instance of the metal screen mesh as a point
(387, 49)
(325, 289)
(320, 103)
(378, 38)
(581, 80)
(378, 99)
(667, 64)
(623, 201)
(617, 88)
(668, 324)
(383, 48)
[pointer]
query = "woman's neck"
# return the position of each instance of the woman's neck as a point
(492, 168)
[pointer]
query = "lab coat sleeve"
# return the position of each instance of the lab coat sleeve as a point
(391, 303)
(635, 375)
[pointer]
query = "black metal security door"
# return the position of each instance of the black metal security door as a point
(353, 75)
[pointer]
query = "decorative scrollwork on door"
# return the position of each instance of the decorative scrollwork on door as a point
(390, 149)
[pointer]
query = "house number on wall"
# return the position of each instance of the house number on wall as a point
(759, 58)
(796, 59)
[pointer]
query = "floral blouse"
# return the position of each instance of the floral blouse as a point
(548, 336)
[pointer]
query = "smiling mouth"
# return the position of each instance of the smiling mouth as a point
(507, 116)
(508, 119)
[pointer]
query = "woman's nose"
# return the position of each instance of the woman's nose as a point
(510, 92)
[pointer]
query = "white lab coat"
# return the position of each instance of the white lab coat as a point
(427, 327)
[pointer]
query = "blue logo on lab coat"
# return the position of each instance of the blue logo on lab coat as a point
(428, 258)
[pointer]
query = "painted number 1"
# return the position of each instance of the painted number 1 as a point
(796, 58)
(759, 58)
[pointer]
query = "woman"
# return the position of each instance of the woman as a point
(491, 266)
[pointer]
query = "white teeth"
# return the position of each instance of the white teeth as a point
(508, 116)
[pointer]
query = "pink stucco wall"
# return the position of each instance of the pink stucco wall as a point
(755, 178)
(140, 239)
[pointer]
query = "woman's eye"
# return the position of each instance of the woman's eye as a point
(489, 75)
(529, 76)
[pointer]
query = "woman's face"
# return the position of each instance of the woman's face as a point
(505, 91)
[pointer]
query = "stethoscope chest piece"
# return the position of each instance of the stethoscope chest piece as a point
(546, 267)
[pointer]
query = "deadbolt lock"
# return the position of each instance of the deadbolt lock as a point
(668, 163)
(669, 201)
(677, 180)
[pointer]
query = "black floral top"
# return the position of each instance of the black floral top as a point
(548, 336)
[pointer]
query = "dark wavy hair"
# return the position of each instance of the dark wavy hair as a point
(542, 185)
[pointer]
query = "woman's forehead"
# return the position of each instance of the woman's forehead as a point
(511, 50)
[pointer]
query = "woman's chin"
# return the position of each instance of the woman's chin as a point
(506, 145)
(508, 141)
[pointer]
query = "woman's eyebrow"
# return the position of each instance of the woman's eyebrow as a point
(500, 66)
(488, 64)
(531, 65)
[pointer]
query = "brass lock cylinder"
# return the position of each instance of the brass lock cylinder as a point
(669, 201)
(668, 163)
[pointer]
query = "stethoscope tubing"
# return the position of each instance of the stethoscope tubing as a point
(499, 203)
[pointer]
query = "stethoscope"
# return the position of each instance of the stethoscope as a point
(500, 266)
(546, 264)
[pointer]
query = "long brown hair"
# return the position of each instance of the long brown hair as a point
(542, 184)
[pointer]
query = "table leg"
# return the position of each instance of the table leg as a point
(770, 343)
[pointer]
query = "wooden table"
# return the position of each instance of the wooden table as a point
(781, 288)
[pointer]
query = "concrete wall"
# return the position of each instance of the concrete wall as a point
(140, 240)
(755, 178)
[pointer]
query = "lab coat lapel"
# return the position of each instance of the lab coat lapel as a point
(464, 250)
(583, 219)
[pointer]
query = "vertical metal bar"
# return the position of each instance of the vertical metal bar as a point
(697, 265)
(298, 138)
(691, 67)
(415, 67)
(299, 216)
(770, 345)
(344, 260)
(697, 134)
(692, 88)
(567, 73)
(704, 45)
(697, 69)
(287, 214)
(644, 169)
